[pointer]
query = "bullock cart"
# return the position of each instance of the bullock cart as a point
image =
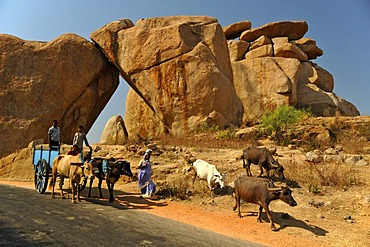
(42, 160)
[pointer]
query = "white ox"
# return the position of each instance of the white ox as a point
(206, 171)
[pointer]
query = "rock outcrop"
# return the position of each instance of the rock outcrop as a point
(236, 29)
(291, 29)
(67, 79)
(114, 132)
(275, 69)
(179, 66)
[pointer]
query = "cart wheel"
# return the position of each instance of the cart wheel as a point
(83, 186)
(41, 176)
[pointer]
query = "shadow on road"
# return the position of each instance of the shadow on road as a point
(123, 200)
(285, 220)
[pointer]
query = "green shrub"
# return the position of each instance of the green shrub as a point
(205, 127)
(225, 134)
(277, 122)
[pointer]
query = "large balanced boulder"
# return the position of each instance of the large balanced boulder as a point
(291, 29)
(179, 66)
(114, 132)
(236, 29)
(67, 79)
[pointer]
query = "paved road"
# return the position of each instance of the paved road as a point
(31, 219)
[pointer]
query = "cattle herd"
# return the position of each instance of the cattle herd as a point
(256, 190)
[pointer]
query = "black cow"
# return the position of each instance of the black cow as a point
(263, 158)
(262, 192)
(114, 170)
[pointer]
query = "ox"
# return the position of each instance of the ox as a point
(68, 166)
(205, 171)
(114, 170)
(262, 192)
(263, 158)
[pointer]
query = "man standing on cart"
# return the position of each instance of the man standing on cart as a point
(54, 136)
(79, 138)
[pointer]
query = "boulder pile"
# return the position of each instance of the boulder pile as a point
(185, 72)
(179, 71)
(272, 66)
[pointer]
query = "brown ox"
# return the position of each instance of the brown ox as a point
(69, 166)
(114, 170)
(263, 158)
(262, 192)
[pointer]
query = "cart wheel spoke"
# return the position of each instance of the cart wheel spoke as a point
(41, 176)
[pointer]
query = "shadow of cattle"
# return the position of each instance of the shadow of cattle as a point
(285, 220)
(124, 200)
(227, 190)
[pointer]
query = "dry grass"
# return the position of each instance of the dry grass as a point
(204, 140)
(177, 188)
(314, 176)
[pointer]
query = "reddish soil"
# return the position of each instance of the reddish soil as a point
(225, 223)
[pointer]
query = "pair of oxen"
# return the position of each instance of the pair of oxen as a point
(78, 171)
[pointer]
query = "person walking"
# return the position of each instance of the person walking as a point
(79, 138)
(54, 135)
(146, 185)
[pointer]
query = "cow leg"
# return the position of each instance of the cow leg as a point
(99, 186)
(259, 220)
(91, 183)
(237, 204)
(248, 168)
(261, 169)
(194, 177)
(109, 190)
(73, 186)
(111, 198)
(61, 187)
(78, 192)
(53, 180)
(273, 227)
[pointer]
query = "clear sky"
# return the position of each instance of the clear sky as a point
(341, 29)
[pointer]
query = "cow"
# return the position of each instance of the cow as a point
(69, 166)
(260, 191)
(263, 158)
(114, 170)
(205, 171)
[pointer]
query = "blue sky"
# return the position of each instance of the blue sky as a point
(341, 29)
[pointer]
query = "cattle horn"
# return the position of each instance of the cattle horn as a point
(275, 189)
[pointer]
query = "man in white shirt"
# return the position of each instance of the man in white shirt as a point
(54, 135)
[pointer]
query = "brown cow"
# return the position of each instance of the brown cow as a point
(262, 192)
(263, 158)
(68, 166)
(114, 170)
